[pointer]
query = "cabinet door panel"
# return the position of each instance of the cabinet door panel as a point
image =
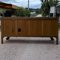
(46, 27)
(54, 28)
(7, 27)
(35, 28)
(22, 27)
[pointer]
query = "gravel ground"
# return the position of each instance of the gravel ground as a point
(29, 49)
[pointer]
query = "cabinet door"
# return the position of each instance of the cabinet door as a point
(7, 27)
(35, 28)
(46, 28)
(54, 28)
(22, 27)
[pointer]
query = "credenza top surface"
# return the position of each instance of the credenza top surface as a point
(30, 18)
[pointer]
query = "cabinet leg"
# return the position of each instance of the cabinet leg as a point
(1, 40)
(7, 38)
(52, 39)
(56, 40)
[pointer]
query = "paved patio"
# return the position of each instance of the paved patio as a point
(29, 49)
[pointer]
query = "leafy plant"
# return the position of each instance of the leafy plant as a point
(45, 8)
(22, 12)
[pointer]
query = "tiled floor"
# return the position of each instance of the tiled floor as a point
(29, 49)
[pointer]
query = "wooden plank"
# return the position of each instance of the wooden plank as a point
(35, 28)
(7, 27)
(54, 28)
(46, 27)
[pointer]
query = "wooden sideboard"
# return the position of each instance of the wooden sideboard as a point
(29, 27)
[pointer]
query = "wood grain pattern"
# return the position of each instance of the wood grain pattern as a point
(35, 28)
(29, 26)
(46, 27)
(23, 26)
(7, 27)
